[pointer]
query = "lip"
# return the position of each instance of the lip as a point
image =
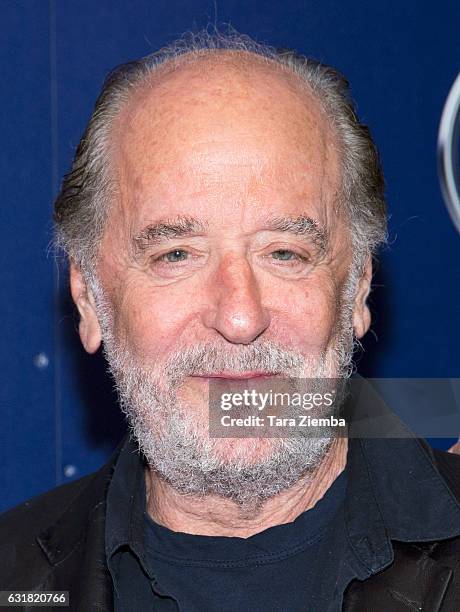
(237, 375)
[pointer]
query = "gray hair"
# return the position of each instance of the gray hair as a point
(81, 208)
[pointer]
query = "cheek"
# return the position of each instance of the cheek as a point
(151, 321)
(306, 316)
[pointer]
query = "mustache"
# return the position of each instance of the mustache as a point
(206, 358)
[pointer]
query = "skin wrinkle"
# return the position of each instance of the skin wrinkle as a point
(228, 147)
(302, 227)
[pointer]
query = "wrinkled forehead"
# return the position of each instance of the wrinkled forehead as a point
(220, 120)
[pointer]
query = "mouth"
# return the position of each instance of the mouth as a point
(237, 376)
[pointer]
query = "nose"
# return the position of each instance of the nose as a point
(235, 308)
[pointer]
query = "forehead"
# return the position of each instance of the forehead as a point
(216, 126)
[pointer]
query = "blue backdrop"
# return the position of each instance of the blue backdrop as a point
(59, 418)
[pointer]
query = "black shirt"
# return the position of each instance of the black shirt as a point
(272, 570)
(390, 490)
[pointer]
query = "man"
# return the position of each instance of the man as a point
(220, 218)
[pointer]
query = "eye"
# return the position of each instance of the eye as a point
(179, 262)
(287, 255)
(174, 256)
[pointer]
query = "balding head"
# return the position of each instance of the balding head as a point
(223, 129)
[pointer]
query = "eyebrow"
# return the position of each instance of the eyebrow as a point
(157, 233)
(303, 226)
(180, 227)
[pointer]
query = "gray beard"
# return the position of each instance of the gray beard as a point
(175, 440)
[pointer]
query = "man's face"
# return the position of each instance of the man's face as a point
(225, 235)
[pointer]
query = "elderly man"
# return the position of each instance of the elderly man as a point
(220, 217)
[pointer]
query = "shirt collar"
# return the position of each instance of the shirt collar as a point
(126, 502)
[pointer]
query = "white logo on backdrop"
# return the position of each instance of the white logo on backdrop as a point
(448, 153)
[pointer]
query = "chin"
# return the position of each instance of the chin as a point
(247, 451)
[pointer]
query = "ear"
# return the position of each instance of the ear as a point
(89, 329)
(361, 312)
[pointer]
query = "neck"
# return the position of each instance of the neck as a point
(215, 516)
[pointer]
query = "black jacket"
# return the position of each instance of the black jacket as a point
(56, 542)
